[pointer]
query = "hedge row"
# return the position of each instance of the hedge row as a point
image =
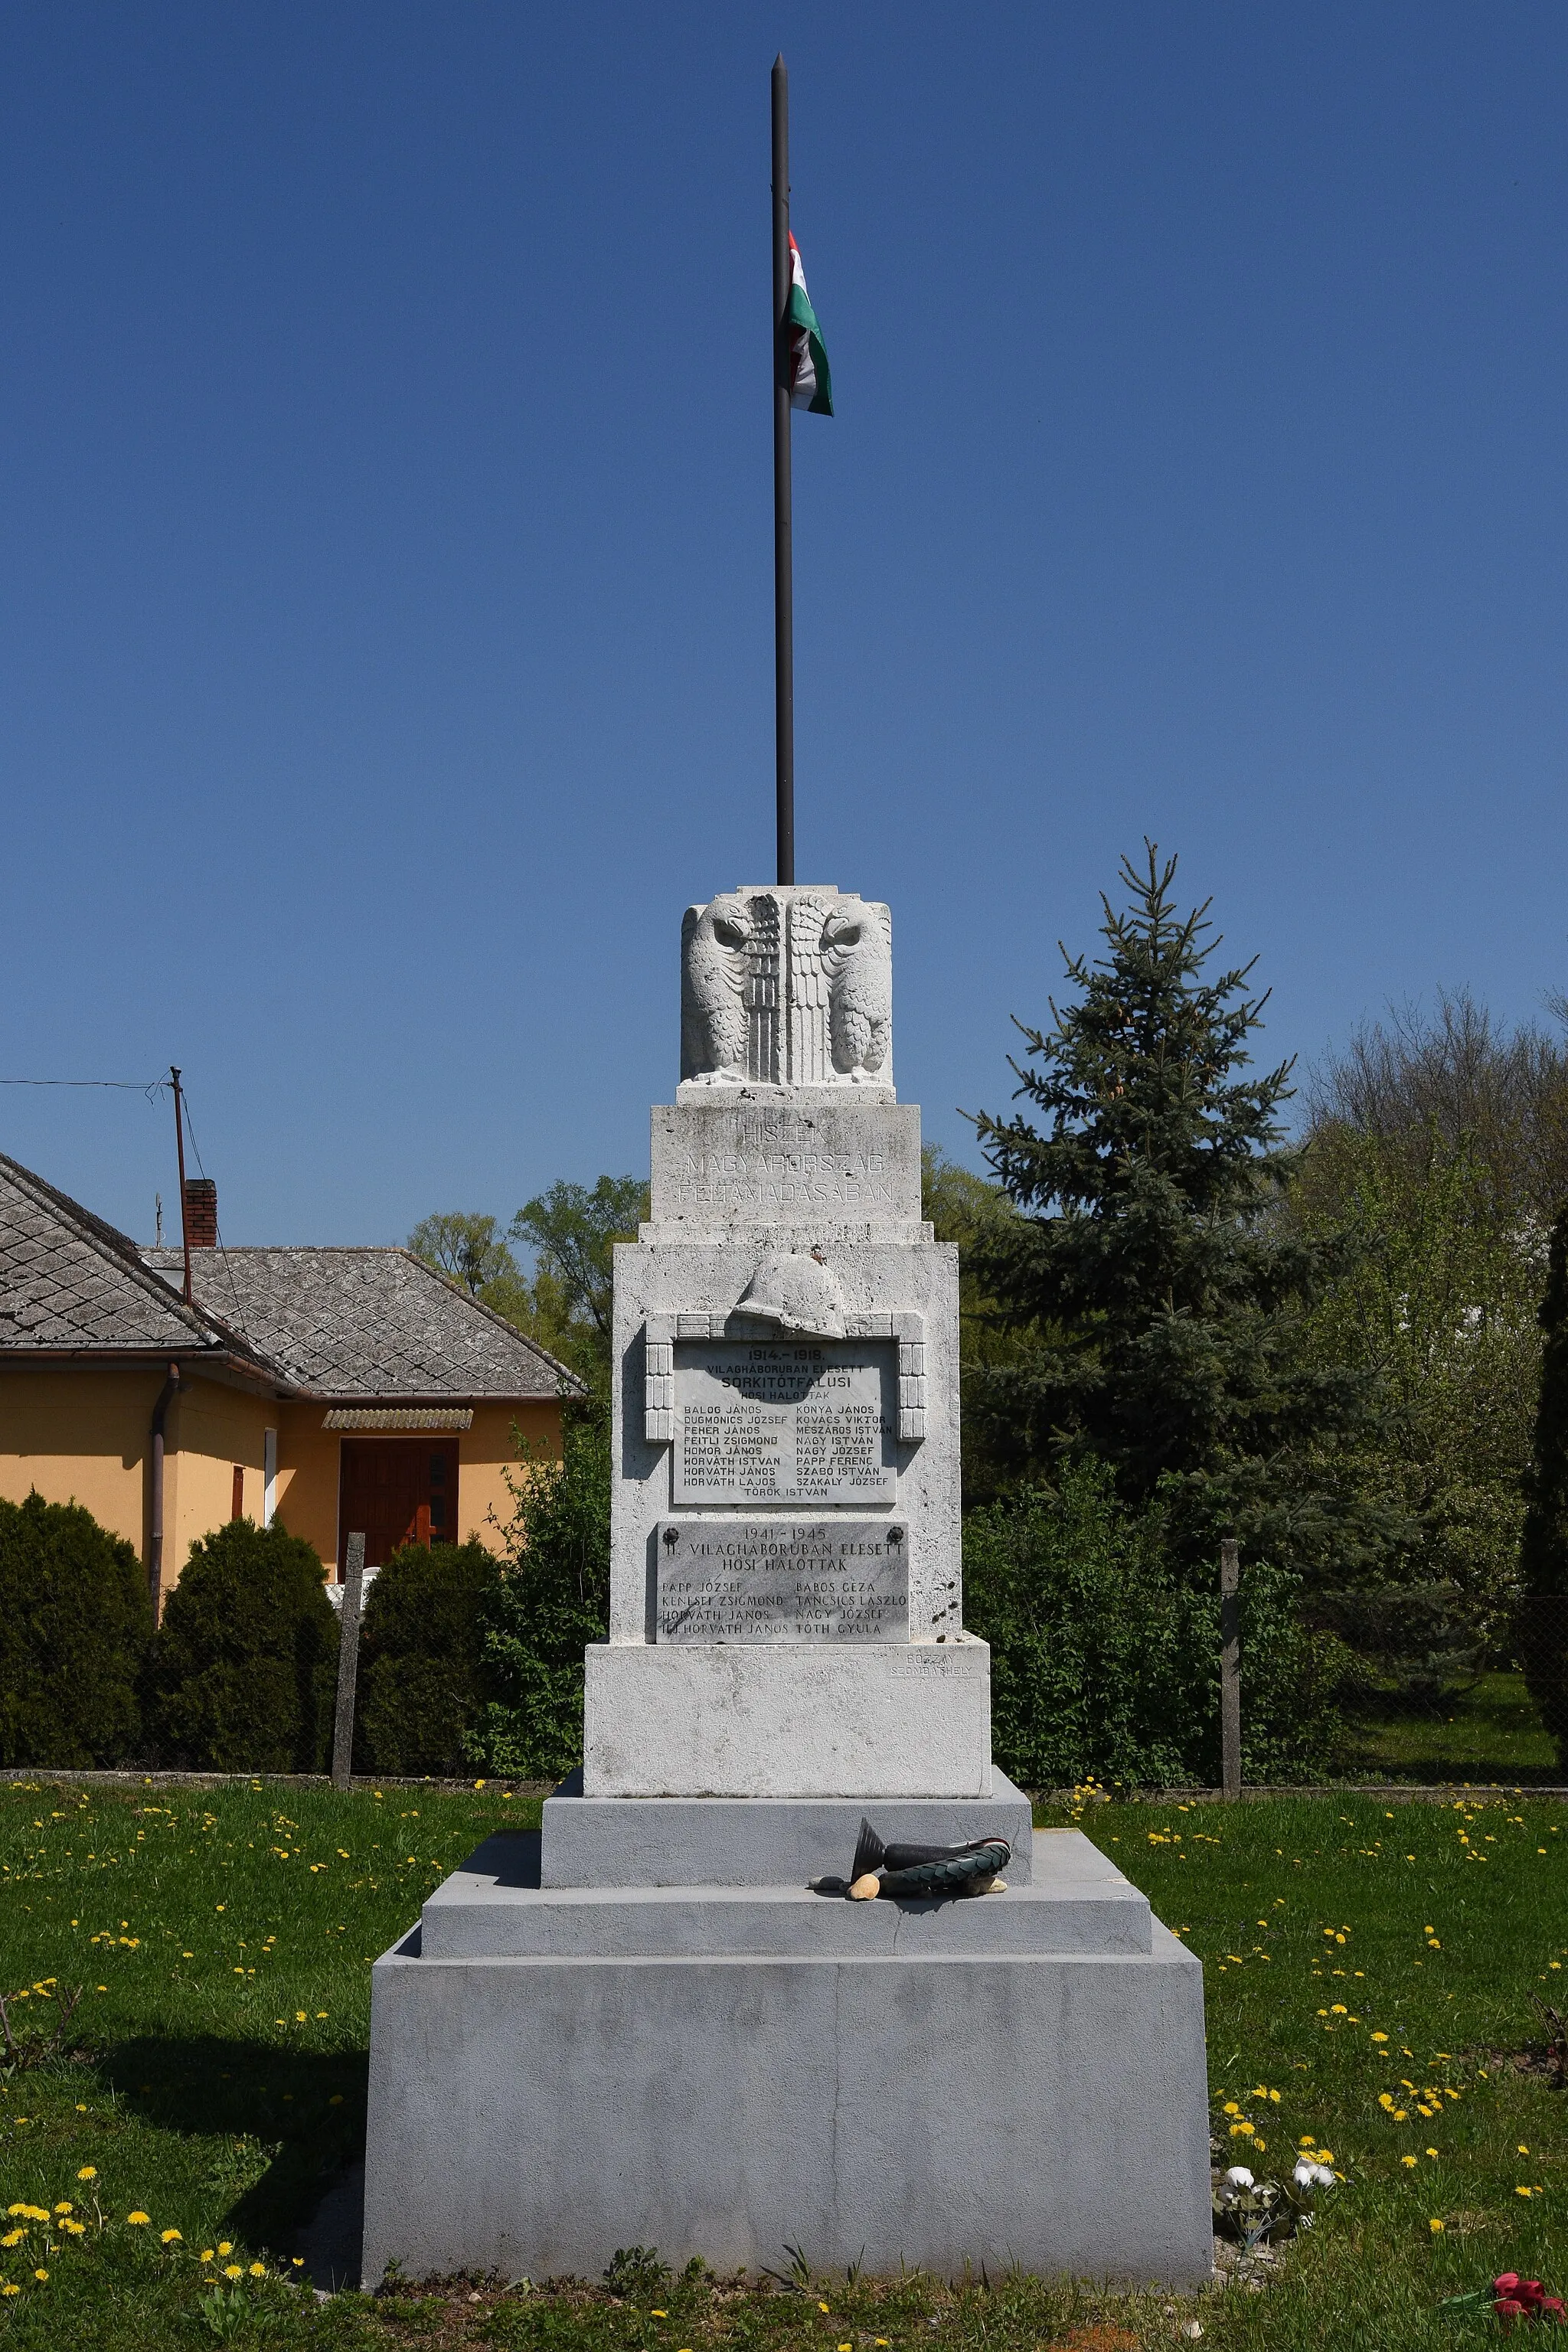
(241, 1676)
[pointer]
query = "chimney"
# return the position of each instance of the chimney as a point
(200, 1212)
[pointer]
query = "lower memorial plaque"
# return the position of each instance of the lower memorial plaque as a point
(784, 1581)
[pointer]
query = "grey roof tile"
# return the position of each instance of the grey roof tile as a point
(68, 1280)
(368, 1323)
(340, 1323)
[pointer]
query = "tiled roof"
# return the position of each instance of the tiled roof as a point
(336, 1323)
(67, 1280)
(367, 1323)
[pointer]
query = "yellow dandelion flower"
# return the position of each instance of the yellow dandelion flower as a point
(171, 2237)
(137, 2218)
(40, 2275)
(821, 2306)
(225, 2246)
(1407, 2159)
(1435, 2227)
(299, 2017)
(232, 2270)
(259, 2270)
(88, 2172)
(6, 2288)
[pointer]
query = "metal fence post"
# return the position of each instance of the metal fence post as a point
(348, 1663)
(1230, 1668)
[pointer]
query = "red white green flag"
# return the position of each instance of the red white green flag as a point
(810, 383)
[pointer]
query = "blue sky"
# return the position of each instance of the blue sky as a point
(385, 566)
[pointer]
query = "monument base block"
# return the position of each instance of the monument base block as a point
(720, 2069)
(688, 1719)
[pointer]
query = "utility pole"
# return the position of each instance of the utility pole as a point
(180, 1147)
(783, 549)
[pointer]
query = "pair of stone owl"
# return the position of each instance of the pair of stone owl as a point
(836, 963)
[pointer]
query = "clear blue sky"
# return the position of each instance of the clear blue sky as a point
(385, 637)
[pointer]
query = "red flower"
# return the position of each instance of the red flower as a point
(1505, 2283)
(1507, 2311)
(1552, 2306)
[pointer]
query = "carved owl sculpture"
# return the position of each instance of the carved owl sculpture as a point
(857, 956)
(713, 963)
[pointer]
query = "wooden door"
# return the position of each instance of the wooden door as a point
(398, 1490)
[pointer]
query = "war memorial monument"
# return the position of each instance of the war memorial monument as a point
(664, 2020)
(787, 1965)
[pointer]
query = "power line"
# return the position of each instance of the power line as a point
(148, 1087)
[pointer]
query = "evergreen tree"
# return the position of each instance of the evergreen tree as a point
(1543, 1554)
(1162, 1290)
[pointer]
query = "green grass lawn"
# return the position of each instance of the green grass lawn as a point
(1367, 1992)
(1492, 1732)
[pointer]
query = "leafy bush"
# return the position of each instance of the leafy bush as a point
(422, 1680)
(247, 1653)
(549, 1600)
(1106, 1664)
(75, 1624)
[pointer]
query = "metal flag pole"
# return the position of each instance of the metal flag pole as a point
(784, 559)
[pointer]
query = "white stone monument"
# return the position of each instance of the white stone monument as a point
(644, 2026)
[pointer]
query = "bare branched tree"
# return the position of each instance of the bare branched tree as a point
(1457, 1074)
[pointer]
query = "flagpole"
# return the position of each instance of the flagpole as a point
(783, 560)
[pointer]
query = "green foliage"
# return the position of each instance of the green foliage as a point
(1544, 1554)
(1438, 1306)
(1105, 1660)
(467, 1249)
(550, 1599)
(75, 1625)
(1162, 1292)
(421, 1682)
(247, 1657)
(573, 1229)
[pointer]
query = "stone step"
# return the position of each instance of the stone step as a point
(757, 1841)
(495, 1908)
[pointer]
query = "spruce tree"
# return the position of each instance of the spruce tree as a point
(1162, 1291)
(1544, 1553)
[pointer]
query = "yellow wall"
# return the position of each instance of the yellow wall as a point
(79, 1437)
(308, 1467)
(210, 1430)
(84, 1436)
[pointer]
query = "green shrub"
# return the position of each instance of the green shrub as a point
(246, 1658)
(550, 1599)
(75, 1624)
(1105, 1662)
(422, 1680)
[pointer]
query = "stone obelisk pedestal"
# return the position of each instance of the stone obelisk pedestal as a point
(642, 2026)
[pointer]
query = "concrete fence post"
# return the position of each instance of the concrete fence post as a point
(348, 1663)
(1230, 1668)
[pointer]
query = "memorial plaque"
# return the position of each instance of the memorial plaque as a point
(805, 1421)
(784, 1581)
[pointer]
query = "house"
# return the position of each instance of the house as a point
(334, 1388)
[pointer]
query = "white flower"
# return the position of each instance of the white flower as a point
(1238, 2177)
(1311, 2175)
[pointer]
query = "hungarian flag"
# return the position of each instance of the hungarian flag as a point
(810, 383)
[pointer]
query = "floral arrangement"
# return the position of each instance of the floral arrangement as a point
(1256, 2210)
(1510, 2299)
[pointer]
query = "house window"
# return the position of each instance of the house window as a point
(396, 1491)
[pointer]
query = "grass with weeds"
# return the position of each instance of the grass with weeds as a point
(1492, 1731)
(1369, 1982)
